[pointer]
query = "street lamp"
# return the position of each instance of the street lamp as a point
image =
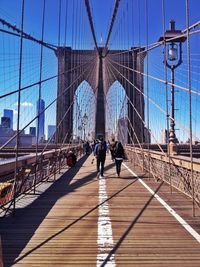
(174, 39)
(84, 122)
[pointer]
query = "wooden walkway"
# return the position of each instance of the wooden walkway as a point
(81, 220)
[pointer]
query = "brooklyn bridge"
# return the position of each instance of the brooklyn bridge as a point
(73, 72)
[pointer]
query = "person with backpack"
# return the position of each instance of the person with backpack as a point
(100, 153)
(119, 156)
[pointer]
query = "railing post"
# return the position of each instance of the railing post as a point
(55, 166)
(35, 176)
(59, 161)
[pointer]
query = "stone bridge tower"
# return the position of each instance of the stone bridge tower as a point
(75, 66)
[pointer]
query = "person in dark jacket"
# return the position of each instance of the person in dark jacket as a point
(100, 153)
(112, 148)
(119, 156)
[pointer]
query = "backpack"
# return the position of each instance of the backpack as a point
(101, 151)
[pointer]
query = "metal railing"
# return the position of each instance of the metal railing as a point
(32, 171)
(176, 170)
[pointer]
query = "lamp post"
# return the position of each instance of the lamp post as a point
(84, 122)
(174, 39)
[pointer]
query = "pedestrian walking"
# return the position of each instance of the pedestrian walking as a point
(119, 155)
(112, 148)
(100, 153)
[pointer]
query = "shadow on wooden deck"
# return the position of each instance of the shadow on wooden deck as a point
(16, 230)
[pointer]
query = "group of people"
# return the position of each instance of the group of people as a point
(117, 155)
(100, 148)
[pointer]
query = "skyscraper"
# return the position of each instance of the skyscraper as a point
(41, 119)
(51, 132)
(9, 114)
(5, 122)
(32, 131)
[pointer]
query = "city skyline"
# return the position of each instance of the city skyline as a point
(125, 36)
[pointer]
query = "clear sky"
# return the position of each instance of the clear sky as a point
(130, 30)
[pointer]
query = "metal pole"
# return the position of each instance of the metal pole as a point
(172, 124)
(172, 136)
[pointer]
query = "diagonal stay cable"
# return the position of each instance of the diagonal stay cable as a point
(14, 136)
(152, 101)
(153, 77)
(45, 80)
(140, 117)
(65, 114)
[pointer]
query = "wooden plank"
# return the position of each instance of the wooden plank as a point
(61, 227)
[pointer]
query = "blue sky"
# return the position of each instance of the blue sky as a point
(125, 35)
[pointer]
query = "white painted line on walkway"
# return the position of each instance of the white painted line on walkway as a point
(171, 211)
(105, 239)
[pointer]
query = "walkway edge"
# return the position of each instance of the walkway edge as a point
(167, 207)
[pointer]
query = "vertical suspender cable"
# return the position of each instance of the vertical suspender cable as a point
(190, 104)
(70, 108)
(59, 22)
(39, 95)
(127, 87)
(64, 46)
(129, 54)
(73, 59)
(166, 93)
(147, 80)
(65, 31)
(19, 102)
(165, 68)
(140, 81)
(78, 7)
(75, 108)
(56, 133)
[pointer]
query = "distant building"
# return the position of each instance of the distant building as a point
(5, 122)
(32, 131)
(41, 119)
(122, 132)
(147, 135)
(25, 140)
(51, 132)
(9, 114)
(164, 136)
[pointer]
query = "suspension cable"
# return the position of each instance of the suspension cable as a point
(190, 104)
(112, 22)
(25, 35)
(19, 101)
(155, 104)
(87, 4)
